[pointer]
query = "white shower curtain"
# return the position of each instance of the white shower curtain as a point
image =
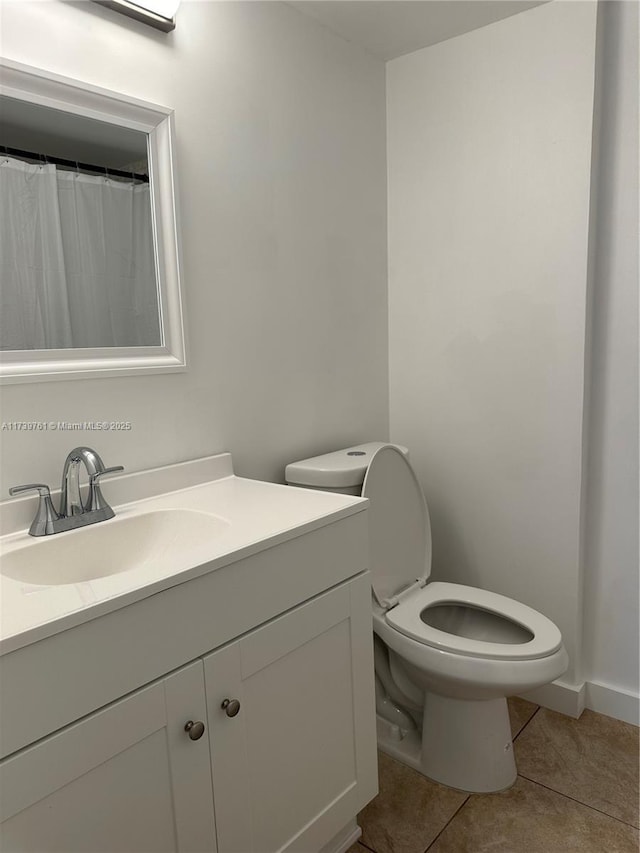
(76, 259)
(34, 311)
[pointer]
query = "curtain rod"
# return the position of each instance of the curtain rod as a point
(74, 164)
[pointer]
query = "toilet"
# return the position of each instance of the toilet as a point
(446, 655)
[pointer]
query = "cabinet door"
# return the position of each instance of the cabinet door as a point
(126, 778)
(298, 761)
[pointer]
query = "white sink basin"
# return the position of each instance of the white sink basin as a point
(111, 547)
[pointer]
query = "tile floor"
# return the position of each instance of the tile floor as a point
(576, 792)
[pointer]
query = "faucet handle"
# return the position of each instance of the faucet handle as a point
(45, 515)
(41, 488)
(95, 477)
(95, 499)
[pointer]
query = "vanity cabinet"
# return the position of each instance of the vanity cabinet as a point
(284, 766)
(271, 610)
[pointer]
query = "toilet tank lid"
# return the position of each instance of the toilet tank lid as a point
(336, 470)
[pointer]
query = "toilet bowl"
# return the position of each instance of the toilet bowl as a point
(446, 655)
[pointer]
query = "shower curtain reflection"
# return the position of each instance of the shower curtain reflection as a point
(77, 260)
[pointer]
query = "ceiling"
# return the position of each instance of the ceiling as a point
(391, 28)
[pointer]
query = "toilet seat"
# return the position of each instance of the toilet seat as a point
(400, 565)
(406, 618)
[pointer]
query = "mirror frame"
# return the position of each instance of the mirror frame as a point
(73, 96)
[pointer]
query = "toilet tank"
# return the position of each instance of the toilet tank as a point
(341, 471)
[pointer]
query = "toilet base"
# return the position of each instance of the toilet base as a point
(466, 744)
(405, 746)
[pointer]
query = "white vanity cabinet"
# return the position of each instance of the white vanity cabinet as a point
(97, 757)
(127, 778)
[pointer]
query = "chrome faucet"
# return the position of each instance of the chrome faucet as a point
(70, 499)
(74, 512)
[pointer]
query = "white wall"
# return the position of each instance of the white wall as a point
(611, 509)
(489, 145)
(281, 159)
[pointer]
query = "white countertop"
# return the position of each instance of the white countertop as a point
(255, 515)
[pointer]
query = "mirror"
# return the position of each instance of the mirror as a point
(88, 234)
(76, 237)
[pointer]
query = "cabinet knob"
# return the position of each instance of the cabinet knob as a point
(230, 707)
(194, 730)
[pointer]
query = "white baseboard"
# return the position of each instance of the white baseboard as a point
(613, 702)
(559, 696)
(572, 699)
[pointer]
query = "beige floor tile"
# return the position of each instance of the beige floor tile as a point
(357, 848)
(520, 712)
(593, 759)
(529, 818)
(409, 811)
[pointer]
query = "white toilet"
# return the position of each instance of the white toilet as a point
(446, 655)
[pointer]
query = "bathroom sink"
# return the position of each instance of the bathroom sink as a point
(175, 524)
(113, 547)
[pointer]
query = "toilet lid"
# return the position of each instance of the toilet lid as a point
(399, 527)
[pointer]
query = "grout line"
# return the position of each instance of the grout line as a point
(366, 846)
(526, 724)
(466, 800)
(573, 799)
